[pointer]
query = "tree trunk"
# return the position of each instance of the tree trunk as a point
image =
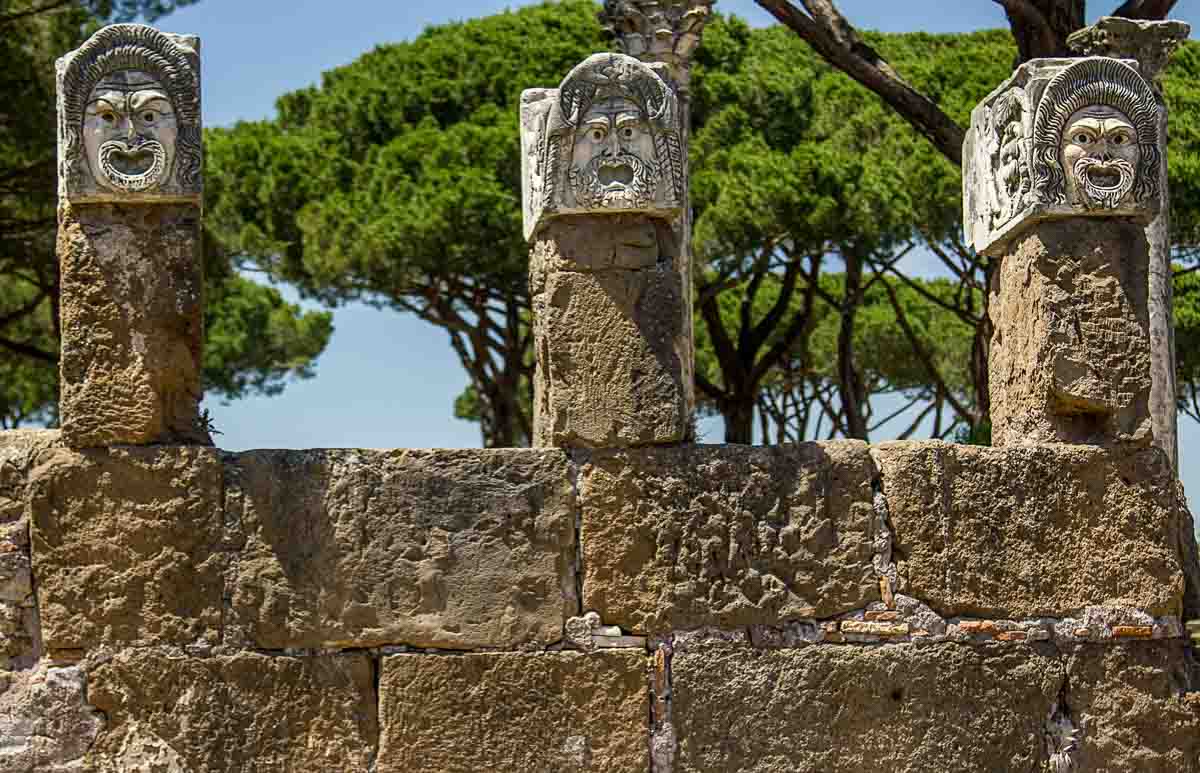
(851, 391)
(738, 413)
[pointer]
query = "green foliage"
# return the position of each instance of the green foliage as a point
(255, 339)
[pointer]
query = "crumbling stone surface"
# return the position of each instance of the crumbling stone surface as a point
(18, 609)
(132, 285)
(727, 535)
(127, 546)
(1024, 532)
(843, 708)
(1130, 704)
(1070, 354)
(453, 549)
(521, 712)
(613, 353)
(46, 724)
(239, 712)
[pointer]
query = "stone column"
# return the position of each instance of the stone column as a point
(665, 34)
(603, 165)
(129, 166)
(1062, 174)
(1151, 44)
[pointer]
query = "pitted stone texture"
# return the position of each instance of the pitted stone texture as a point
(613, 350)
(853, 709)
(1070, 354)
(132, 327)
(453, 549)
(18, 613)
(46, 724)
(1129, 701)
(727, 536)
(1025, 532)
(127, 546)
(562, 712)
(241, 712)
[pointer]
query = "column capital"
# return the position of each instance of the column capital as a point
(665, 31)
(1150, 43)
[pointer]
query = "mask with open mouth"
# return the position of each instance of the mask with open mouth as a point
(623, 181)
(129, 132)
(1100, 152)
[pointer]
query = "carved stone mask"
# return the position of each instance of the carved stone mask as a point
(614, 164)
(129, 132)
(1100, 155)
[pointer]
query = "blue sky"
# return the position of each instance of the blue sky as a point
(388, 380)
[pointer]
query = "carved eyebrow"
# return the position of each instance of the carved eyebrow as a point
(142, 98)
(94, 105)
(627, 118)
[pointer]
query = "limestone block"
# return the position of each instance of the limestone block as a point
(1129, 703)
(127, 546)
(453, 549)
(727, 536)
(240, 712)
(46, 724)
(852, 709)
(132, 325)
(1061, 138)
(1149, 43)
(129, 117)
(521, 712)
(608, 139)
(1025, 532)
(1070, 355)
(612, 347)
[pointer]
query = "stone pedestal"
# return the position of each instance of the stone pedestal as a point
(1070, 356)
(1063, 172)
(604, 170)
(129, 239)
(610, 333)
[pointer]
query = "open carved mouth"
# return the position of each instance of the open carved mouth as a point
(133, 167)
(1104, 177)
(617, 175)
(1103, 183)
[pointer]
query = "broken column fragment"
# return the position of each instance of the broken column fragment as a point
(1062, 175)
(130, 162)
(603, 177)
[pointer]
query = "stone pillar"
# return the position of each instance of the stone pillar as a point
(665, 34)
(1151, 44)
(129, 166)
(603, 176)
(1062, 173)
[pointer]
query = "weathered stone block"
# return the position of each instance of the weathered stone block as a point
(454, 549)
(1129, 704)
(132, 326)
(1029, 531)
(727, 536)
(613, 352)
(521, 712)
(46, 724)
(1070, 354)
(841, 708)
(127, 546)
(241, 712)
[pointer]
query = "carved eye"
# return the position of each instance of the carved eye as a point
(1081, 138)
(1120, 139)
(148, 116)
(597, 135)
(627, 132)
(108, 117)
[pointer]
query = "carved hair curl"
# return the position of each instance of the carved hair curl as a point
(1094, 81)
(136, 47)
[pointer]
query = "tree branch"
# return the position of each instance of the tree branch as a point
(831, 36)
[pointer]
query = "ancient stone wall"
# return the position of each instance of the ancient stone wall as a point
(830, 606)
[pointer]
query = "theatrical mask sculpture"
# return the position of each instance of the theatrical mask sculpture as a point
(130, 118)
(607, 140)
(1091, 149)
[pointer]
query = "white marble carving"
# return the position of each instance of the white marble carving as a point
(1060, 138)
(129, 117)
(605, 141)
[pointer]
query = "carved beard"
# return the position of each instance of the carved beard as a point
(597, 186)
(133, 182)
(1103, 196)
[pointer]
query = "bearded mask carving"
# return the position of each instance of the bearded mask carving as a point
(129, 117)
(1090, 149)
(607, 140)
